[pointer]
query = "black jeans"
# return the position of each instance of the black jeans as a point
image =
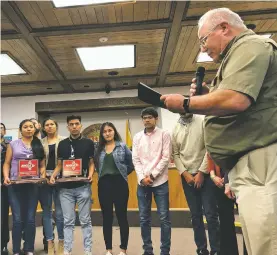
(199, 200)
(4, 217)
(228, 237)
(114, 190)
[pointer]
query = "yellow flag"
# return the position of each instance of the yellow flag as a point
(128, 135)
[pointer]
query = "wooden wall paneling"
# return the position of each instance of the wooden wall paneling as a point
(83, 15)
(46, 8)
(191, 34)
(176, 194)
(91, 15)
(198, 8)
(63, 17)
(273, 26)
(111, 14)
(128, 12)
(29, 13)
(118, 13)
(266, 26)
(31, 89)
(168, 5)
(141, 9)
(5, 23)
(75, 16)
(39, 13)
(99, 14)
(181, 46)
(153, 10)
(161, 9)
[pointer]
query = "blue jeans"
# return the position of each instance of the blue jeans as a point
(69, 198)
(161, 196)
(23, 200)
(46, 195)
(199, 199)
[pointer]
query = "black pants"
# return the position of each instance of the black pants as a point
(228, 238)
(199, 200)
(4, 217)
(113, 190)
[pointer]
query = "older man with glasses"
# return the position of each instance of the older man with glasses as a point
(241, 120)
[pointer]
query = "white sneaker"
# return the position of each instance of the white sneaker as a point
(122, 253)
(109, 253)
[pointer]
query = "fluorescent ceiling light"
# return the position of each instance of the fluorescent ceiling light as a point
(203, 57)
(9, 66)
(107, 57)
(66, 3)
(266, 35)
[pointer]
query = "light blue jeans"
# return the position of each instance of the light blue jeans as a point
(69, 198)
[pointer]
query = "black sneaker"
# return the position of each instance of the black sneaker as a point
(203, 252)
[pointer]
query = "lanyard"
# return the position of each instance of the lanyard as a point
(72, 151)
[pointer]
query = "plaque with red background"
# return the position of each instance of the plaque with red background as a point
(72, 167)
(28, 172)
(28, 168)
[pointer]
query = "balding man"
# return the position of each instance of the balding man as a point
(241, 120)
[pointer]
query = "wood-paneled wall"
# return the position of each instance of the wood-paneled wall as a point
(176, 194)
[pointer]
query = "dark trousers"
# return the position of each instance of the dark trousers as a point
(23, 216)
(199, 200)
(228, 237)
(4, 217)
(114, 190)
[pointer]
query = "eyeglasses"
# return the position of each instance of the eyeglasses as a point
(204, 39)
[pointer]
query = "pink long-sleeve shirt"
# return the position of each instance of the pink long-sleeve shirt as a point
(151, 155)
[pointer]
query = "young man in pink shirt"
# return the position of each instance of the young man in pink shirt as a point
(151, 156)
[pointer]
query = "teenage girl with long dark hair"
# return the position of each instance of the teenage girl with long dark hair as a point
(114, 163)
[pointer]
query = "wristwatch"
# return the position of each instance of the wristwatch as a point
(186, 104)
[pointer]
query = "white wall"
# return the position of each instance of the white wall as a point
(15, 109)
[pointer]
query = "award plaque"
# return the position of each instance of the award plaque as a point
(72, 171)
(28, 172)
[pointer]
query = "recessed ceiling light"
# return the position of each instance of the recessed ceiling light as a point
(66, 3)
(107, 57)
(266, 35)
(203, 57)
(9, 66)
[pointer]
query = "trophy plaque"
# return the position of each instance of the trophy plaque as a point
(72, 171)
(28, 172)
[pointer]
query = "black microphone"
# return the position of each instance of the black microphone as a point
(200, 73)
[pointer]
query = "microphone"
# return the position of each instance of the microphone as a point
(200, 73)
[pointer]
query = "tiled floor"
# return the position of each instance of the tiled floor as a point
(182, 241)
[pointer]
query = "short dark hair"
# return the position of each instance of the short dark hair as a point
(3, 125)
(149, 111)
(73, 117)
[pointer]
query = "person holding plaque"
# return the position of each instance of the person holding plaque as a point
(114, 164)
(75, 159)
(24, 162)
(48, 193)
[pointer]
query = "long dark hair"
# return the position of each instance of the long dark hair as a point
(43, 124)
(37, 148)
(102, 141)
